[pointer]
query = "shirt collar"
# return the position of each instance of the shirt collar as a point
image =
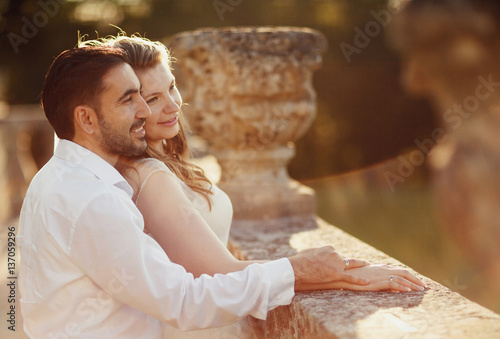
(78, 155)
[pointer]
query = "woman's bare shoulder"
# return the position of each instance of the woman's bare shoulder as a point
(142, 169)
(137, 172)
(146, 166)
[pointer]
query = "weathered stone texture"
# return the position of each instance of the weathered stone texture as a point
(250, 95)
(436, 312)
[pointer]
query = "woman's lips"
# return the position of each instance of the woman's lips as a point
(170, 122)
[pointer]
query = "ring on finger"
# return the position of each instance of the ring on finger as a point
(346, 263)
(391, 277)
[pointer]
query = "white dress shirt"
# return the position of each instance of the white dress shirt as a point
(89, 271)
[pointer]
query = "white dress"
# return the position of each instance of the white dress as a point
(219, 219)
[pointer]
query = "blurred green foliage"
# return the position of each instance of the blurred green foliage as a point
(363, 115)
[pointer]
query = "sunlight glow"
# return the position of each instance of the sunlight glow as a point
(98, 11)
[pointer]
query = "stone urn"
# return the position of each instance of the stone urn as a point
(250, 95)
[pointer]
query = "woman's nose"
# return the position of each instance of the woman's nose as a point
(171, 106)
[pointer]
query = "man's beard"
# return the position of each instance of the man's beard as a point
(114, 142)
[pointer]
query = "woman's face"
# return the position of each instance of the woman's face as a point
(161, 94)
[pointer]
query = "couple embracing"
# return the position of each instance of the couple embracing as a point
(122, 237)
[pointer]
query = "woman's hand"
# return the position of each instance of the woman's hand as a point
(385, 277)
(380, 277)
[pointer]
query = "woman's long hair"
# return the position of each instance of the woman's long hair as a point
(143, 54)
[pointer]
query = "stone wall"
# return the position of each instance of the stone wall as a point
(436, 312)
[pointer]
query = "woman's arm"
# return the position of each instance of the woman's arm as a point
(180, 229)
(189, 241)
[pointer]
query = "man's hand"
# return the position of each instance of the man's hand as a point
(324, 265)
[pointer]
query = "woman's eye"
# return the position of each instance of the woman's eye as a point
(128, 100)
(152, 100)
(172, 87)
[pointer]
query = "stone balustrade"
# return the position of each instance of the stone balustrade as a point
(250, 95)
(26, 143)
(436, 312)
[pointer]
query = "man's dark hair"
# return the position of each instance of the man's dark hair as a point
(76, 78)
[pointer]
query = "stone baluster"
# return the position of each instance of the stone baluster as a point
(250, 95)
(25, 145)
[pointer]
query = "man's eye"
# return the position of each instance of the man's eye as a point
(129, 99)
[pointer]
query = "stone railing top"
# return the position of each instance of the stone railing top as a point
(436, 312)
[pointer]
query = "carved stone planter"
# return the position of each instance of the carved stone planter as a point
(250, 95)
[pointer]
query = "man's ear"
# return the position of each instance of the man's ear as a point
(85, 119)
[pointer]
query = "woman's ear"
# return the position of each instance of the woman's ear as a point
(85, 119)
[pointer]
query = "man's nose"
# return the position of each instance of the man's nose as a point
(143, 111)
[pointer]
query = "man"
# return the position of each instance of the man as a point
(88, 270)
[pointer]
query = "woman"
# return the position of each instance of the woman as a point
(187, 215)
